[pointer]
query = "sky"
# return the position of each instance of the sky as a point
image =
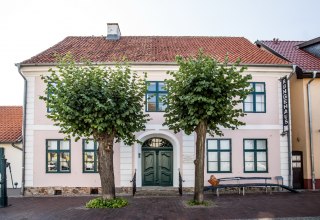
(28, 27)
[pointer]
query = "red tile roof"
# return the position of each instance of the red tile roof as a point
(10, 124)
(291, 51)
(155, 49)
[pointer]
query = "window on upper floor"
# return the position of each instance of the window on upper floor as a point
(58, 156)
(219, 156)
(154, 96)
(255, 155)
(90, 156)
(256, 100)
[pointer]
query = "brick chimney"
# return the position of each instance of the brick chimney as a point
(113, 31)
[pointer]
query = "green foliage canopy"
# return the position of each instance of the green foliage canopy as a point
(204, 90)
(86, 100)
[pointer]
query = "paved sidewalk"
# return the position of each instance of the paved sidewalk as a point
(277, 205)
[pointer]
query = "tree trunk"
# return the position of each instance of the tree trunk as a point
(105, 155)
(201, 131)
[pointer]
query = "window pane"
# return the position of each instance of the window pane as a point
(249, 166)
(161, 106)
(225, 166)
(64, 161)
(212, 144)
(260, 107)
(152, 86)
(151, 97)
(212, 166)
(52, 145)
(224, 144)
(161, 87)
(248, 144)
(224, 156)
(64, 145)
(89, 145)
(261, 166)
(249, 99)
(212, 156)
(151, 106)
(298, 165)
(260, 98)
(89, 161)
(249, 156)
(248, 107)
(261, 144)
(52, 161)
(261, 156)
(294, 165)
(259, 87)
(151, 102)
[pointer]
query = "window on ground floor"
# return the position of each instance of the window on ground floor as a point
(90, 156)
(58, 156)
(255, 155)
(219, 156)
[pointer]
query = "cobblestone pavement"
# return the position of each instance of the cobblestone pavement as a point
(278, 205)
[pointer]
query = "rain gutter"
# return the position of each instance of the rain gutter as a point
(18, 65)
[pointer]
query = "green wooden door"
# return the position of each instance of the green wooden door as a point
(157, 163)
(165, 168)
(149, 172)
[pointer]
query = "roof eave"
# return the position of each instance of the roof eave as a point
(155, 63)
(11, 142)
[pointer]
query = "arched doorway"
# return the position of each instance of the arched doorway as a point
(157, 162)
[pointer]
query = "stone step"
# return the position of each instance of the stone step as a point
(157, 191)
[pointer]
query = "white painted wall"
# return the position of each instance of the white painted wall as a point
(14, 157)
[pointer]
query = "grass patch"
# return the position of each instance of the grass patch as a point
(106, 203)
(196, 203)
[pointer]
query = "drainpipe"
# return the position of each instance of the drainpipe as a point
(23, 128)
(310, 132)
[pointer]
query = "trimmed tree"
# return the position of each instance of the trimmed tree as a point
(95, 101)
(204, 96)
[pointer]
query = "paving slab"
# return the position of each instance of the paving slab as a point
(305, 205)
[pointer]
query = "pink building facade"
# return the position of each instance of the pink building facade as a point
(258, 149)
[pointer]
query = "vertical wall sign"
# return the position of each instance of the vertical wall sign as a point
(285, 103)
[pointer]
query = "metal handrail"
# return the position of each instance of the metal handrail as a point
(180, 183)
(134, 183)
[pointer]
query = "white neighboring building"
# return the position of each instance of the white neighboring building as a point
(11, 141)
